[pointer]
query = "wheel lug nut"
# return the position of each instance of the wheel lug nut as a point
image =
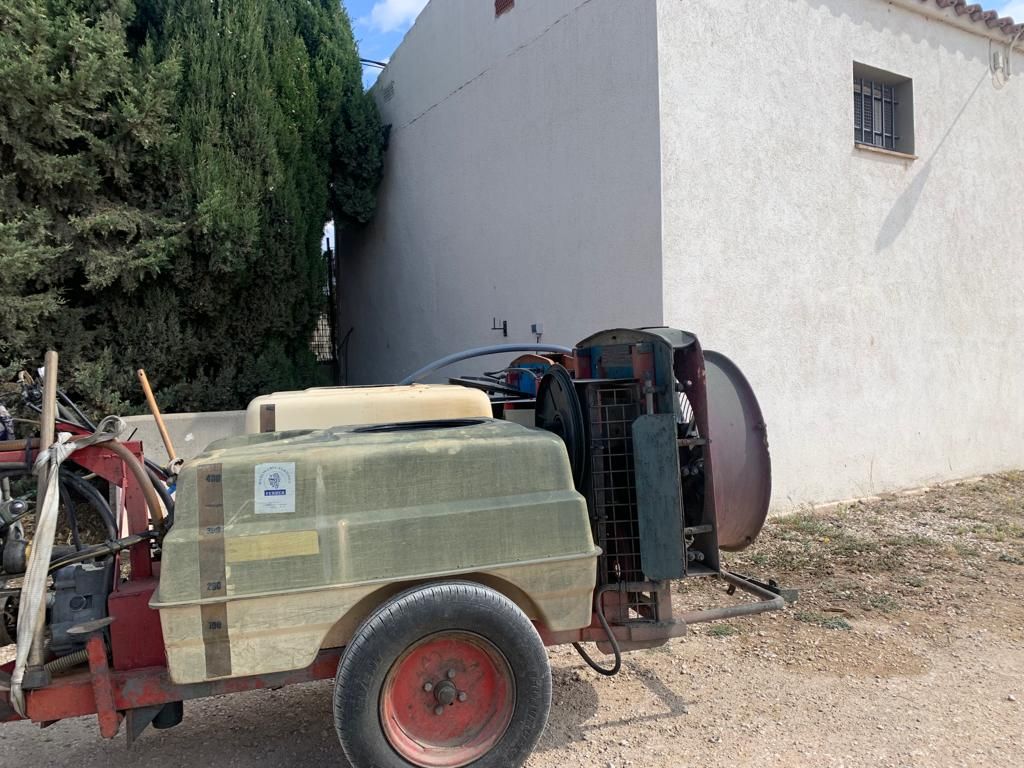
(451, 674)
(438, 710)
(462, 696)
(428, 687)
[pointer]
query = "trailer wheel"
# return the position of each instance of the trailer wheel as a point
(443, 676)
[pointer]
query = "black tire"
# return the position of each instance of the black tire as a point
(420, 621)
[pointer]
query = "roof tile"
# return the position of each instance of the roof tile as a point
(977, 13)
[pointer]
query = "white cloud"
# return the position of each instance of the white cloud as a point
(390, 15)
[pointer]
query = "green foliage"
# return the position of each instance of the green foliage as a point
(85, 137)
(166, 171)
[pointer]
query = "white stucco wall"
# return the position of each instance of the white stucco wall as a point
(522, 184)
(875, 304)
(587, 164)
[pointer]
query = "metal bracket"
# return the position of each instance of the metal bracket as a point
(138, 719)
(103, 690)
(789, 595)
(35, 678)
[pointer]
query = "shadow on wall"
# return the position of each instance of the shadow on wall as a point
(906, 203)
(877, 19)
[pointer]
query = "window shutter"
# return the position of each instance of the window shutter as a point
(858, 113)
(864, 111)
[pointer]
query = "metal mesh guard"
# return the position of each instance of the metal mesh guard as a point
(612, 411)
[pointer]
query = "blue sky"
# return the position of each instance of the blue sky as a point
(380, 24)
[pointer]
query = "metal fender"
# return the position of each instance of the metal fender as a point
(739, 453)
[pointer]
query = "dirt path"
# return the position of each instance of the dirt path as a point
(905, 649)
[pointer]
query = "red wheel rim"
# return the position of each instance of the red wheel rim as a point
(447, 700)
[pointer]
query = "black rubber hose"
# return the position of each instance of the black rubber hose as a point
(612, 640)
(97, 551)
(156, 468)
(95, 498)
(93, 495)
(163, 493)
(13, 470)
(71, 514)
(66, 416)
(85, 420)
(8, 470)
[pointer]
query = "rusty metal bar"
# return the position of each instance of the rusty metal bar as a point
(767, 601)
(76, 694)
(102, 686)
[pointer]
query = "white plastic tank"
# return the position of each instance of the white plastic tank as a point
(324, 407)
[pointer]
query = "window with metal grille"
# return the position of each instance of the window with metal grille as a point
(503, 6)
(874, 106)
(883, 110)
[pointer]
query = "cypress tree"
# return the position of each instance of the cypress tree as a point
(266, 132)
(85, 142)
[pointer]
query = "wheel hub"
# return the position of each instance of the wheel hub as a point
(446, 693)
(447, 700)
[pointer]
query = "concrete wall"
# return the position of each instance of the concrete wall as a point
(190, 432)
(876, 304)
(522, 184)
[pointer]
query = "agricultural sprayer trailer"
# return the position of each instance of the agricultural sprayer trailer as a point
(421, 544)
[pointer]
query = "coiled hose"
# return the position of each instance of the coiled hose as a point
(69, 480)
(144, 479)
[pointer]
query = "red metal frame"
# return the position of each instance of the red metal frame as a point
(109, 693)
(136, 639)
(134, 675)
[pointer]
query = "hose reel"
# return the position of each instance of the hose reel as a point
(558, 410)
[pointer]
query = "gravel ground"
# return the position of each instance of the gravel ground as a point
(906, 648)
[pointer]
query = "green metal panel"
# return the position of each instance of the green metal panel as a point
(659, 497)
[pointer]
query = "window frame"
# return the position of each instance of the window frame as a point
(888, 99)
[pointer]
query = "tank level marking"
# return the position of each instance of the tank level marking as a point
(216, 644)
(271, 546)
(213, 570)
(212, 567)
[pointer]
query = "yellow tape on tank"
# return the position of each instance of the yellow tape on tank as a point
(272, 546)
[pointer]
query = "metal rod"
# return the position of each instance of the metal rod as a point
(155, 410)
(767, 601)
(696, 530)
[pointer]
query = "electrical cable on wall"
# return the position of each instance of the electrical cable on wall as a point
(1000, 64)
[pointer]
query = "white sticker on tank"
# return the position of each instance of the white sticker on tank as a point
(275, 488)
